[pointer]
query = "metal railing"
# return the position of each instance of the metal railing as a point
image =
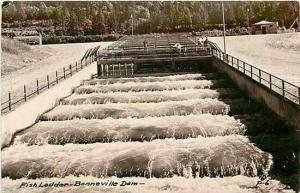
(10, 100)
(287, 90)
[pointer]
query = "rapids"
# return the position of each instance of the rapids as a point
(161, 131)
(130, 129)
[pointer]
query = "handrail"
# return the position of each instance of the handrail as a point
(286, 89)
(24, 93)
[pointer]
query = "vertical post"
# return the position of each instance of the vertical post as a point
(248, 21)
(224, 30)
(48, 84)
(251, 71)
(37, 87)
(120, 69)
(283, 92)
(56, 74)
(270, 81)
(98, 69)
(64, 73)
(244, 68)
(238, 64)
(76, 66)
(70, 68)
(232, 61)
(299, 95)
(131, 24)
(113, 69)
(125, 69)
(9, 101)
(25, 95)
(81, 64)
(259, 72)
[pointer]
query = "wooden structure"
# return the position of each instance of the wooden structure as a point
(150, 50)
(264, 27)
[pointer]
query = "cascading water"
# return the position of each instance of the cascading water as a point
(169, 127)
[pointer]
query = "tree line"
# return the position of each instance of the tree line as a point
(103, 17)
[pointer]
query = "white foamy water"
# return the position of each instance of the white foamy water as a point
(235, 184)
(161, 128)
(144, 86)
(139, 110)
(193, 157)
(144, 79)
(130, 129)
(139, 97)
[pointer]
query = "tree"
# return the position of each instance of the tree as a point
(98, 23)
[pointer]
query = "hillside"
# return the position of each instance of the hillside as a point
(17, 55)
(103, 17)
(22, 64)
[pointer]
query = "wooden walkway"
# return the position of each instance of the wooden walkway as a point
(154, 48)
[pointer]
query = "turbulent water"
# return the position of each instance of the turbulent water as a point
(139, 110)
(139, 97)
(144, 86)
(198, 157)
(130, 129)
(146, 129)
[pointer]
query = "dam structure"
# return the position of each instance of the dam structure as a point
(163, 106)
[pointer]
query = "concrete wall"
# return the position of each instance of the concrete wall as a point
(274, 101)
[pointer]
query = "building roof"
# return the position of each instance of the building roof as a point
(263, 22)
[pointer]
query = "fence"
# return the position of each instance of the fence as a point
(287, 90)
(14, 98)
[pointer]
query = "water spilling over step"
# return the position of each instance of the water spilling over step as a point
(130, 129)
(139, 97)
(139, 110)
(193, 157)
(144, 79)
(144, 86)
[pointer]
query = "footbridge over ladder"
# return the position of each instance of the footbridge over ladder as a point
(133, 55)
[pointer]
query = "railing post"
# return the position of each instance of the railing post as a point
(244, 68)
(37, 87)
(48, 84)
(9, 101)
(25, 95)
(270, 81)
(251, 71)
(299, 94)
(232, 61)
(283, 92)
(70, 68)
(64, 73)
(76, 66)
(238, 64)
(259, 73)
(56, 74)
